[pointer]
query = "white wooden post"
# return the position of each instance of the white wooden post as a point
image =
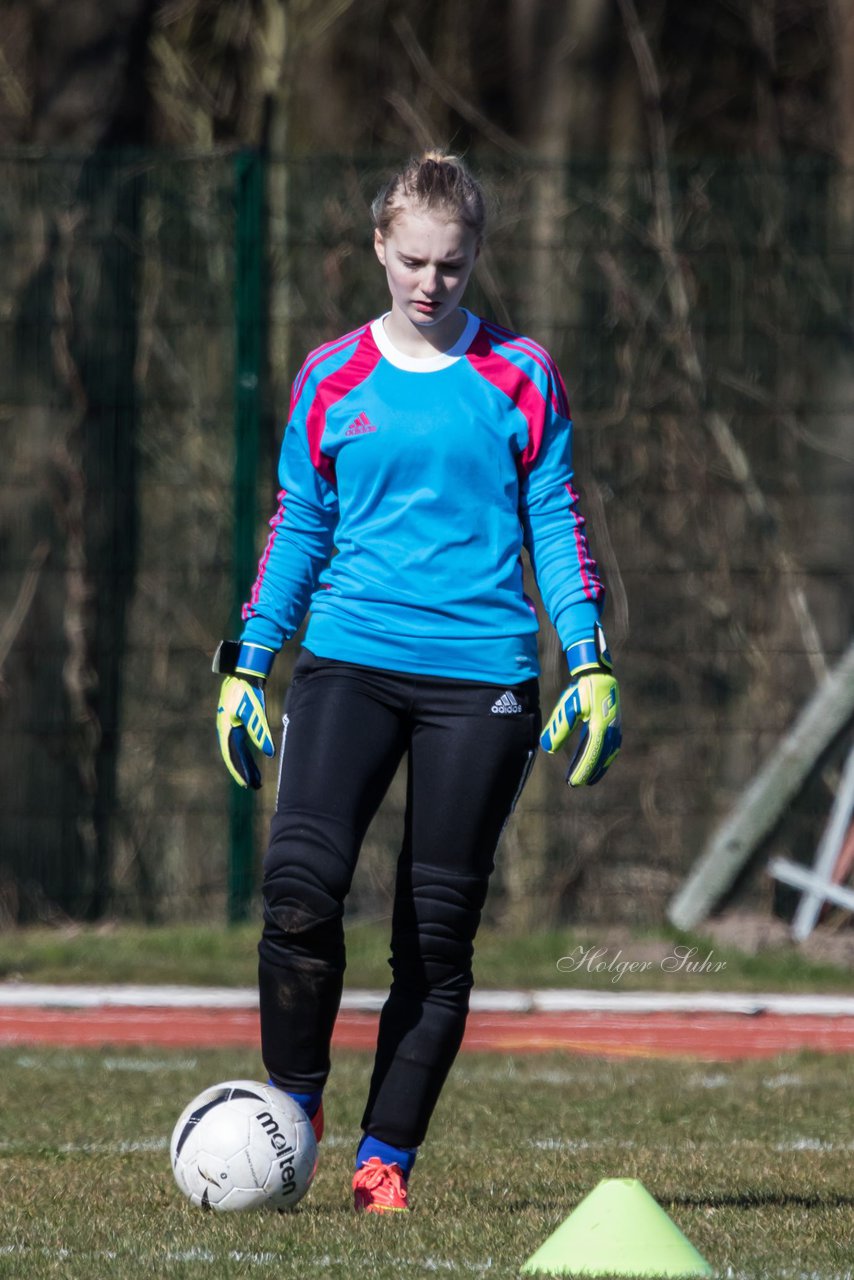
(759, 809)
(818, 885)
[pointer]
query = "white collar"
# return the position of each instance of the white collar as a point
(412, 364)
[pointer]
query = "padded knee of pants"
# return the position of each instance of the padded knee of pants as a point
(434, 928)
(306, 876)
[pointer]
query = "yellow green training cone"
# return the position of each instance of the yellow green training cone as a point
(617, 1230)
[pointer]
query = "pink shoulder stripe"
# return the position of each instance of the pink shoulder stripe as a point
(516, 342)
(320, 354)
(534, 348)
(508, 377)
(359, 366)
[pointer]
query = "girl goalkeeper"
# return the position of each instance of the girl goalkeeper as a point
(426, 448)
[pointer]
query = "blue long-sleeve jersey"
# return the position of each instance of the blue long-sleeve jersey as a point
(408, 488)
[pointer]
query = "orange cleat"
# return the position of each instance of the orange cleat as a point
(317, 1122)
(379, 1188)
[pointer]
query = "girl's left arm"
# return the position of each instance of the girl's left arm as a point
(554, 528)
(573, 594)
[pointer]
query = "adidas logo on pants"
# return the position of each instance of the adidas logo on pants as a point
(507, 705)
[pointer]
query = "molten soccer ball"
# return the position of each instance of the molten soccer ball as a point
(243, 1145)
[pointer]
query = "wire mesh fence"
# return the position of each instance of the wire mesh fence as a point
(701, 319)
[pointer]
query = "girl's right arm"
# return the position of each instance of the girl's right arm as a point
(299, 545)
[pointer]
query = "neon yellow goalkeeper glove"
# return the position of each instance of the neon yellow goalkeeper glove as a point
(592, 700)
(241, 716)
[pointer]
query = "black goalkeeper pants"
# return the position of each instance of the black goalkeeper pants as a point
(470, 747)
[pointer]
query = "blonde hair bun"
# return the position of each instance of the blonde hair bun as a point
(436, 180)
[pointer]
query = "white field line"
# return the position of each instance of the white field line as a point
(543, 1076)
(560, 1078)
(44, 995)
(127, 1147)
(787, 1273)
(581, 1144)
(131, 1146)
(61, 1061)
(555, 1077)
(711, 1080)
(148, 1066)
(813, 1144)
(266, 1258)
(135, 1146)
(785, 1080)
(737, 1144)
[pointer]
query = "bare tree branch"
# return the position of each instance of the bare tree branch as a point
(451, 96)
(25, 597)
(683, 343)
(751, 391)
(418, 126)
(79, 677)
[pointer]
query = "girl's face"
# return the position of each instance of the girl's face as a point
(428, 261)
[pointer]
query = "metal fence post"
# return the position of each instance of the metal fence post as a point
(248, 322)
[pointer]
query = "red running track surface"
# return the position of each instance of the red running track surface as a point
(707, 1037)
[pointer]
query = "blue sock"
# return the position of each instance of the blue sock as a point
(308, 1101)
(403, 1156)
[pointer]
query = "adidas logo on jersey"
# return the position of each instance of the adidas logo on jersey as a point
(360, 426)
(507, 705)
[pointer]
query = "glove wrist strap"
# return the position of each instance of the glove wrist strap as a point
(252, 662)
(590, 654)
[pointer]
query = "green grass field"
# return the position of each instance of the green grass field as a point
(207, 955)
(751, 1160)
